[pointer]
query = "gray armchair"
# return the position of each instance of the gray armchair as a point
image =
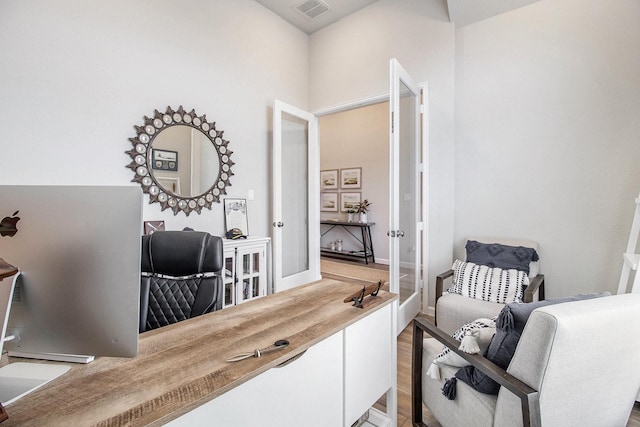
(576, 364)
(453, 310)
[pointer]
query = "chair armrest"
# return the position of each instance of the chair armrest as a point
(537, 283)
(529, 397)
(440, 282)
(440, 278)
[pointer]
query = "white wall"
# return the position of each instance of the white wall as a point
(76, 76)
(349, 61)
(548, 135)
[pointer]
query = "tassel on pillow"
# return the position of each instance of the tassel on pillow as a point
(449, 388)
(505, 320)
(469, 343)
(434, 371)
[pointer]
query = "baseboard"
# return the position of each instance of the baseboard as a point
(430, 311)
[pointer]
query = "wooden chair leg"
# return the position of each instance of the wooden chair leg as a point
(416, 377)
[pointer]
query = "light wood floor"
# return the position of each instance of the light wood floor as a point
(404, 382)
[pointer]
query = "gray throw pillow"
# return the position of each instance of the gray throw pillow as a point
(501, 256)
(510, 324)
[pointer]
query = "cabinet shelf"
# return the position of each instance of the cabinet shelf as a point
(346, 254)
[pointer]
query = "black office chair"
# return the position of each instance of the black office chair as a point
(181, 277)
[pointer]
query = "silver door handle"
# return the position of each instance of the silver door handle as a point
(278, 224)
(400, 233)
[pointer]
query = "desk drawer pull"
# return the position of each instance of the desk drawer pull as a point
(293, 359)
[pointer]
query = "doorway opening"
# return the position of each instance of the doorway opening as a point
(356, 140)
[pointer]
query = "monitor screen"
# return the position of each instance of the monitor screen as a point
(78, 250)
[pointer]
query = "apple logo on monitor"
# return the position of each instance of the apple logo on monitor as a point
(9, 225)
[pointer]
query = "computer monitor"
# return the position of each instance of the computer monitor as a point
(78, 251)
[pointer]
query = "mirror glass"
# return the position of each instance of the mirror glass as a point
(181, 160)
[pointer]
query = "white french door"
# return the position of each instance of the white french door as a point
(407, 184)
(296, 189)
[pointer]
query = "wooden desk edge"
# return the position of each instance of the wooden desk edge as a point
(6, 269)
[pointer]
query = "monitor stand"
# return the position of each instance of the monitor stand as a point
(18, 379)
(56, 357)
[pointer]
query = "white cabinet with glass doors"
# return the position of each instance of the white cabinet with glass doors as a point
(245, 269)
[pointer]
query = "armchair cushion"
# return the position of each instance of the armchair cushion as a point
(454, 310)
(501, 256)
(487, 283)
(510, 324)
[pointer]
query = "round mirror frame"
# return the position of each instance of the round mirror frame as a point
(141, 159)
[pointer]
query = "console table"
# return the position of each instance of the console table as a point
(340, 361)
(364, 238)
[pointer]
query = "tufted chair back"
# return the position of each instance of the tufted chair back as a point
(181, 277)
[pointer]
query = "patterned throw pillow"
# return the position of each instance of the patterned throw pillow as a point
(488, 284)
(474, 338)
(501, 256)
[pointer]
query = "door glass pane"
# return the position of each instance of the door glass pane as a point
(256, 286)
(295, 200)
(228, 267)
(256, 262)
(228, 293)
(246, 264)
(407, 183)
(245, 289)
(228, 280)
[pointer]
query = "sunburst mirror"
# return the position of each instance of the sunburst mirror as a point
(181, 160)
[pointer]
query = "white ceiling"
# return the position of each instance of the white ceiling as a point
(462, 12)
(465, 12)
(338, 10)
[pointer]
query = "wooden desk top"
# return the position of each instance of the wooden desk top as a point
(6, 270)
(182, 366)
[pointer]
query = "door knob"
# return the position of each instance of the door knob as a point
(278, 224)
(400, 233)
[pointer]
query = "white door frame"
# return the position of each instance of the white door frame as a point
(384, 97)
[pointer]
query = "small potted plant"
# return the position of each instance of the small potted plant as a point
(363, 208)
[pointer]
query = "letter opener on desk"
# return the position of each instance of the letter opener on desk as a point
(259, 352)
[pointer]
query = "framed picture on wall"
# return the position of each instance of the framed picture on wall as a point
(349, 201)
(152, 226)
(350, 178)
(235, 216)
(165, 160)
(329, 202)
(329, 180)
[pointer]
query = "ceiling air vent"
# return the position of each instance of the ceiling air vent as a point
(312, 8)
